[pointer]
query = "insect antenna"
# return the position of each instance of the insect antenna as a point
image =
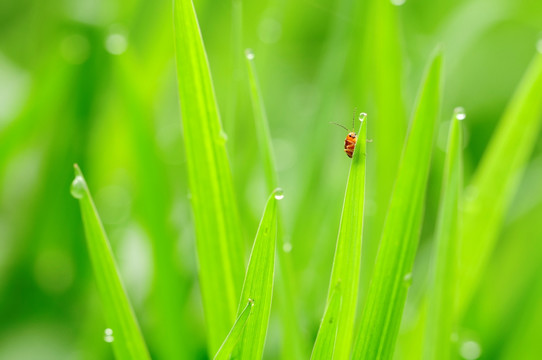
(344, 127)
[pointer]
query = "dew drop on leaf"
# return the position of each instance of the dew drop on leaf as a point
(108, 335)
(78, 187)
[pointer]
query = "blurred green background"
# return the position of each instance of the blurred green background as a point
(94, 83)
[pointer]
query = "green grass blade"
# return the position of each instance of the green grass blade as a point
(259, 282)
(262, 125)
(293, 343)
(233, 337)
(126, 337)
(443, 293)
(218, 231)
(347, 260)
(497, 178)
(392, 273)
(381, 81)
(324, 345)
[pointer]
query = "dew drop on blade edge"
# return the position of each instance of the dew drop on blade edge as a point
(108, 335)
(460, 113)
(78, 186)
(249, 54)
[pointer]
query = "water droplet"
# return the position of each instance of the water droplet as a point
(470, 350)
(116, 43)
(251, 302)
(460, 113)
(539, 46)
(362, 116)
(398, 2)
(279, 194)
(108, 335)
(287, 247)
(407, 279)
(249, 54)
(78, 187)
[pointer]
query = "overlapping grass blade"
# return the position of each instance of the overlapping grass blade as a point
(347, 260)
(324, 345)
(126, 337)
(497, 178)
(258, 284)
(233, 337)
(382, 313)
(443, 291)
(292, 341)
(381, 81)
(218, 231)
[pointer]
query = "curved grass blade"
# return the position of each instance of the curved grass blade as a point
(324, 345)
(259, 282)
(233, 337)
(219, 240)
(347, 261)
(122, 328)
(383, 310)
(499, 173)
(443, 294)
(293, 344)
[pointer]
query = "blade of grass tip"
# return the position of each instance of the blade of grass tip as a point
(324, 345)
(496, 179)
(443, 293)
(258, 284)
(293, 344)
(219, 240)
(233, 337)
(347, 261)
(122, 328)
(391, 279)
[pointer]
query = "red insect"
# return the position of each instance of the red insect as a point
(351, 138)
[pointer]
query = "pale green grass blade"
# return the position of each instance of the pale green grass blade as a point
(293, 343)
(347, 262)
(262, 125)
(324, 345)
(218, 231)
(233, 337)
(382, 81)
(391, 279)
(497, 178)
(122, 328)
(443, 291)
(258, 284)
